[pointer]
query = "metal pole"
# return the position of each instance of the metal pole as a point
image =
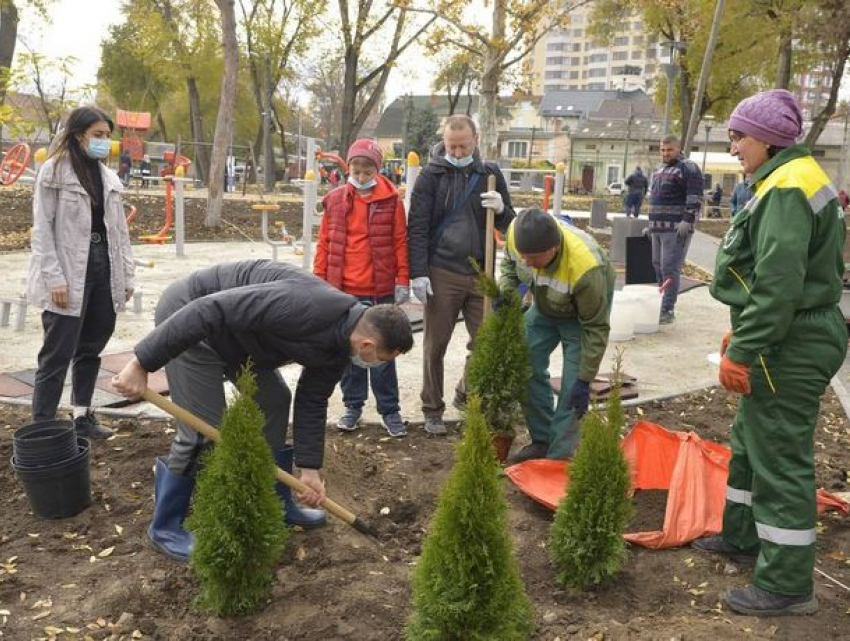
(671, 69)
(531, 146)
(703, 75)
(310, 197)
(705, 151)
(628, 138)
(179, 226)
(268, 150)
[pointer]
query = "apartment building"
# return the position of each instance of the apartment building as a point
(569, 59)
(812, 90)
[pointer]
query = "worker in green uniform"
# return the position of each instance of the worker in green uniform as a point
(779, 269)
(572, 283)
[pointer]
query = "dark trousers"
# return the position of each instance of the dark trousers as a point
(196, 382)
(633, 203)
(76, 341)
(384, 380)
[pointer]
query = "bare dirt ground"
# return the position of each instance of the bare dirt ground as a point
(95, 576)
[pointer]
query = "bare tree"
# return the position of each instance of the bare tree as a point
(360, 29)
(224, 122)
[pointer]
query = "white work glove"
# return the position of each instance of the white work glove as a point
(402, 294)
(493, 200)
(684, 228)
(422, 289)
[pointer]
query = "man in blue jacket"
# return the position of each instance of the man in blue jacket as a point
(209, 325)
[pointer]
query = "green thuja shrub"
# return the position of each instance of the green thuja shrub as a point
(586, 539)
(499, 367)
(237, 517)
(467, 584)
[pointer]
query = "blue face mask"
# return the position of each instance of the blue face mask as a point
(98, 148)
(358, 185)
(460, 163)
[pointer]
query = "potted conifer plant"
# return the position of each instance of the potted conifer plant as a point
(499, 367)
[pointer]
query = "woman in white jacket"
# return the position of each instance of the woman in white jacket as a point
(81, 271)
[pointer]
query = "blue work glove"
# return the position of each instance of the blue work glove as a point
(684, 228)
(402, 294)
(579, 397)
(421, 287)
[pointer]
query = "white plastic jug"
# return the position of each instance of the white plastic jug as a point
(623, 312)
(648, 308)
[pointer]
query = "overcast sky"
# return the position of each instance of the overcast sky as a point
(78, 26)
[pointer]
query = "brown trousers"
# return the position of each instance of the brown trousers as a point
(453, 293)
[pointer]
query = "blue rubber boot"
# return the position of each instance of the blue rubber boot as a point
(172, 494)
(293, 514)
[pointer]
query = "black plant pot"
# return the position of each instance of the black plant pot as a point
(60, 490)
(45, 443)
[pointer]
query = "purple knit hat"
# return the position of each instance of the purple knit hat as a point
(770, 116)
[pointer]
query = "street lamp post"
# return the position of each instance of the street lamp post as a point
(709, 120)
(671, 69)
(628, 139)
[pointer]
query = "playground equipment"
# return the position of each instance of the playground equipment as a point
(265, 209)
(132, 125)
(173, 173)
(321, 155)
(553, 190)
(412, 173)
(14, 163)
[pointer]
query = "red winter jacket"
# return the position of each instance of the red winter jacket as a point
(362, 247)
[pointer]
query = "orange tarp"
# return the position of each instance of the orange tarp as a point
(693, 471)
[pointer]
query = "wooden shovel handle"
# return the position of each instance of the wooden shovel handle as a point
(489, 242)
(208, 431)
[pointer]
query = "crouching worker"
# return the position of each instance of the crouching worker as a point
(209, 325)
(572, 284)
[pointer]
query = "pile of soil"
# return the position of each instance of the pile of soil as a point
(95, 575)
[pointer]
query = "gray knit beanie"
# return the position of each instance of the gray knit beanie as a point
(535, 231)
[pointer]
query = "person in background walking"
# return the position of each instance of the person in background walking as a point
(716, 199)
(674, 203)
(843, 199)
(145, 169)
(362, 250)
(779, 270)
(446, 227)
(81, 270)
(125, 167)
(740, 196)
(636, 185)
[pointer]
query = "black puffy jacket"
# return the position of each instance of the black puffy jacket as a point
(273, 314)
(433, 197)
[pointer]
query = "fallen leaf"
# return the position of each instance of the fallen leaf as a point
(301, 553)
(41, 615)
(119, 529)
(105, 553)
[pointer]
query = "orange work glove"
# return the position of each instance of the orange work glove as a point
(724, 344)
(735, 377)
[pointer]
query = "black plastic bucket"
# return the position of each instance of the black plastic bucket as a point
(45, 443)
(60, 490)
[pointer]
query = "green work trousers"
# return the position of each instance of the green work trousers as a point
(547, 422)
(770, 493)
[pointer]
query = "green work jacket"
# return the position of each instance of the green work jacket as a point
(782, 255)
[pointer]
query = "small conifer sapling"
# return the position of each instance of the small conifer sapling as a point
(467, 583)
(237, 518)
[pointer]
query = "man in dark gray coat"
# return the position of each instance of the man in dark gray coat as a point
(445, 228)
(209, 325)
